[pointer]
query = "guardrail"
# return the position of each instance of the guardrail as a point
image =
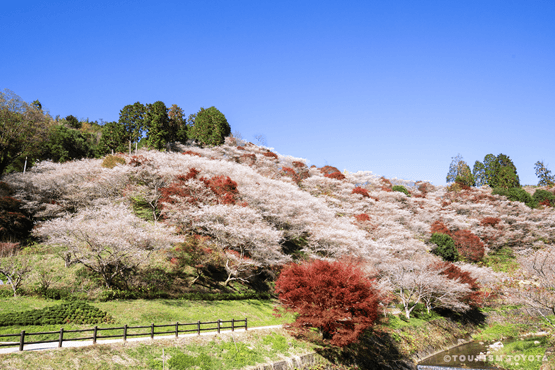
(125, 334)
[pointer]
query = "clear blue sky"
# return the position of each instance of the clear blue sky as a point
(392, 87)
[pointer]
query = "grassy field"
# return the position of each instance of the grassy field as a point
(224, 352)
(146, 312)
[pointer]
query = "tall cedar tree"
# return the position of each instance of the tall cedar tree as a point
(210, 127)
(157, 125)
(132, 118)
(177, 125)
(332, 296)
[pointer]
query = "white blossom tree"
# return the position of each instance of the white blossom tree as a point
(109, 240)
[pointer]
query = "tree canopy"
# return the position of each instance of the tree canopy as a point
(210, 127)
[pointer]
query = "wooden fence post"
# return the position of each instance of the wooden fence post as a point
(61, 338)
(198, 327)
(218, 326)
(152, 331)
(125, 333)
(232, 324)
(177, 329)
(246, 326)
(94, 334)
(22, 340)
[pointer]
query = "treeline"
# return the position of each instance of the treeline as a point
(494, 171)
(29, 134)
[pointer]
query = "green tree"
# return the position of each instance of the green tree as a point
(479, 173)
(500, 172)
(177, 125)
(65, 144)
(210, 127)
(460, 171)
(545, 176)
(113, 139)
(73, 122)
(445, 247)
(132, 118)
(156, 123)
(37, 105)
(23, 129)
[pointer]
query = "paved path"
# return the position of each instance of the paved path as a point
(83, 343)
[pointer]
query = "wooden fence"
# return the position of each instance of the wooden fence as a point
(152, 332)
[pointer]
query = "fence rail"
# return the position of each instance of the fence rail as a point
(125, 334)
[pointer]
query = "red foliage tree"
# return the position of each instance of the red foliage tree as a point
(298, 164)
(328, 170)
(190, 152)
(439, 227)
(361, 191)
(335, 175)
(469, 245)
(490, 221)
(362, 217)
(270, 155)
(222, 187)
(332, 296)
(474, 298)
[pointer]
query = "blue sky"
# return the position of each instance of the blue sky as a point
(392, 87)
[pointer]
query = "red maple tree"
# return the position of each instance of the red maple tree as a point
(453, 272)
(332, 296)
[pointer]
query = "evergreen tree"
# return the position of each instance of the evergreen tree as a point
(177, 125)
(113, 139)
(460, 171)
(157, 125)
(545, 176)
(210, 127)
(479, 173)
(132, 118)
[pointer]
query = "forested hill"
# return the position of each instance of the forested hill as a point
(244, 210)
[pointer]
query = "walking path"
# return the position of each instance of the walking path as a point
(83, 343)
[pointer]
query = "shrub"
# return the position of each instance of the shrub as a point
(401, 189)
(544, 197)
(490, 221)
(270, 155)
(335, 175)
(469, 245)
(516, 195)
(332, 296)
(439, 227)
(328, 170)
(361, 191)
(362, 217)
(110, 161)
(445, 247)
(75, 312)
(190, 152)
(473, 299)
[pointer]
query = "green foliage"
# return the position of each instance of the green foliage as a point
(500, 172)
(156, 122)
(23, 129)
(401, 189)
(545, 176)
(479, 173)
(113, 139)
(75, 312)
(177, 125)
(502, 260)
(460, 171)
(531, 351)
(132, 118)
(445, 247)
(516, 195)
(210, 127)
(65, 144)
(112, 160)
(73, 122)
(143, 209)
(541, 195)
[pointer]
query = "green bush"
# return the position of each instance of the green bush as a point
(516, 195)
(112, 160)
(445, 247)
(401, 189)
(541, 195)
(210, 127)
(75, 312)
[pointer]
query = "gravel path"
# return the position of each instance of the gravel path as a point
(83, 343)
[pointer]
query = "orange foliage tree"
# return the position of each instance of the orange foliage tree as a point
(332, 296)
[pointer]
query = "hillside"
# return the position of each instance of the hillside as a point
(236, 212)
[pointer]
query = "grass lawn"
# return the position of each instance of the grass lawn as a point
(146, 312)
(225, 352)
